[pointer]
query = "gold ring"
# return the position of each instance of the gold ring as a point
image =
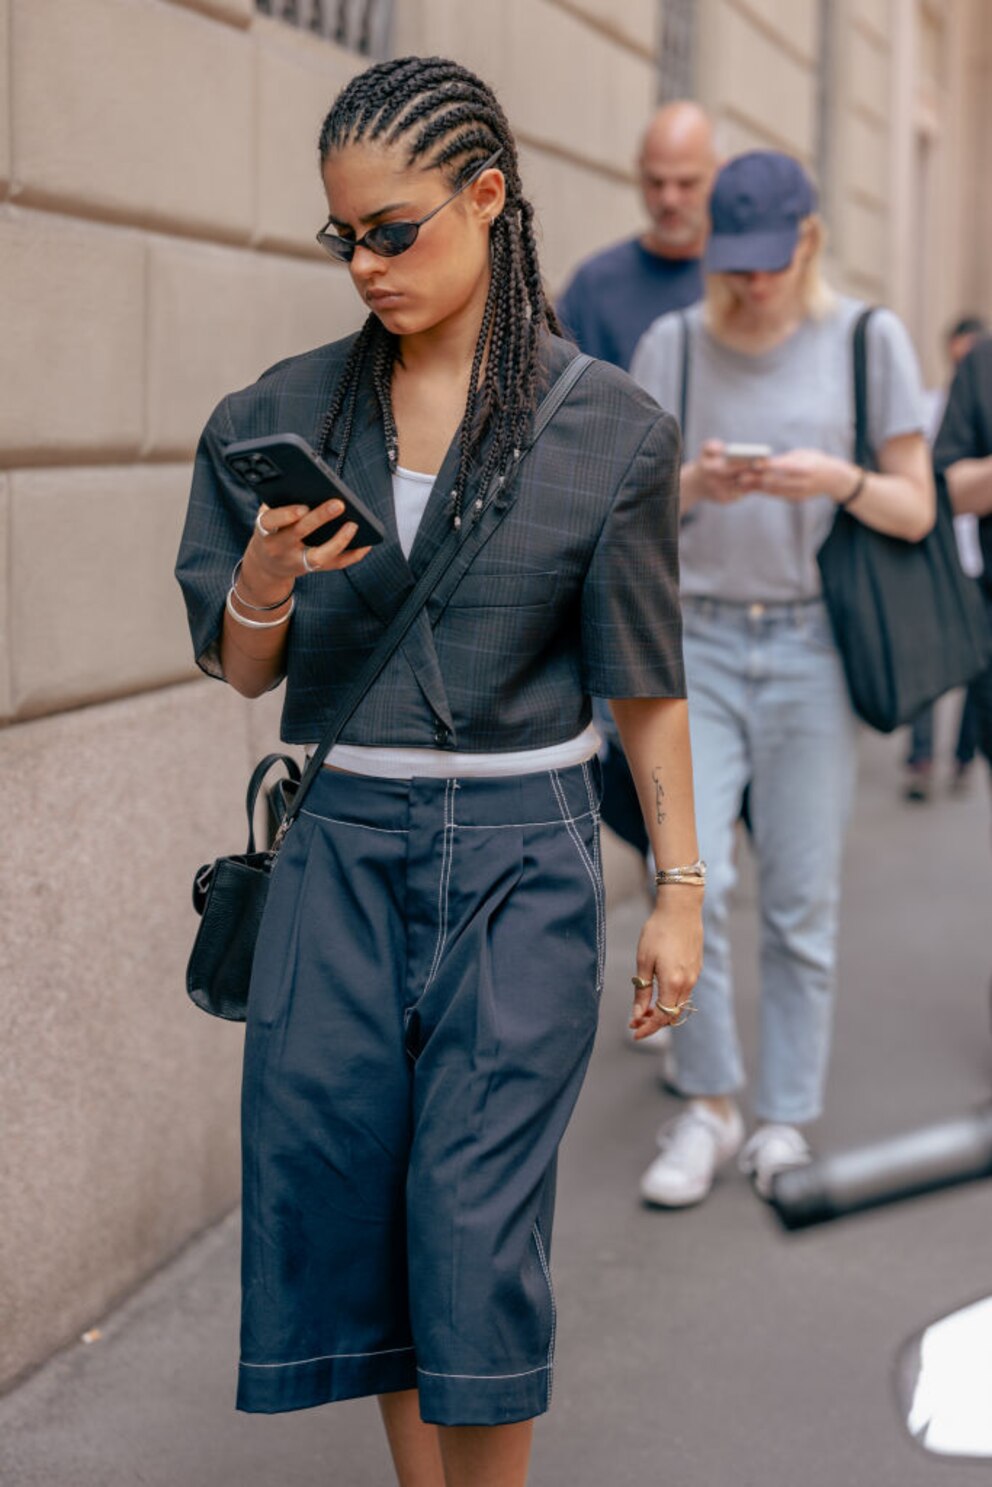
(639, 983)
(682, 1011)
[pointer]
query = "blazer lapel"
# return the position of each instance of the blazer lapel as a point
(384, 578)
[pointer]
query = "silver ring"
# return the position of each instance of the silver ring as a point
(309, 567)
(262, 531)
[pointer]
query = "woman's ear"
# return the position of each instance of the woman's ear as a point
(807, 241)
(489, 194)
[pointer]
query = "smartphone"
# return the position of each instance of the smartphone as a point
(746, 454)
(283, 470)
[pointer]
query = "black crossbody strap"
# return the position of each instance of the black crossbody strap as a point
(863, 454)
(686, 369)
(466, 541)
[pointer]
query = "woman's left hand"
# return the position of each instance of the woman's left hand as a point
(669, 958)
(800, 474)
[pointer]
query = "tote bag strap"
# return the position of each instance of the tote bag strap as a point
(492, 510)
(686, 369)
(864, 455)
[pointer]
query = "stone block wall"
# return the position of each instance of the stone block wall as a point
(159, 194)
(761, 70)
(886, 101)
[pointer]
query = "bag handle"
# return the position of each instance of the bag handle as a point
(466, 541)
(255, 784)
(863, 453)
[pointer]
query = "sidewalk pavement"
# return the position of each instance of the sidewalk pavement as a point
(696, 1349)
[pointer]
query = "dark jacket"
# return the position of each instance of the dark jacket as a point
(966, 430)
(576, 592)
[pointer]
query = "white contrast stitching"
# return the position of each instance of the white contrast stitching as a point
(447, 856)
(462, 825)
(598, 863)
(522, 1375)
(590, 867)
(327, 1358)
(538, 1241)
(519, 825)
(362, 825)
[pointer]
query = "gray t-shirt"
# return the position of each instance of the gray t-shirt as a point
(799, 395)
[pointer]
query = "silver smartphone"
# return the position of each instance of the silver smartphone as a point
(746, 454)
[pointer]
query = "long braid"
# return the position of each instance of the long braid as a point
(449, 120)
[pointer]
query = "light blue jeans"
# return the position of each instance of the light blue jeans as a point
(768, 706)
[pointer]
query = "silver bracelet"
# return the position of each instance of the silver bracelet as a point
(259, 608)
(258, 624)
(694, 874)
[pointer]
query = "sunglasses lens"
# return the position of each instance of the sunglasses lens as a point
(340, 248)
(392, 238)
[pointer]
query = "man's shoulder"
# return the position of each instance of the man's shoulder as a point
(609, 264)
(668, 330)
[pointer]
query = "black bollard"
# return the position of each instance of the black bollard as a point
(921, 1161)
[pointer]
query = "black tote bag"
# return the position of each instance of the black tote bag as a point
(908, 622)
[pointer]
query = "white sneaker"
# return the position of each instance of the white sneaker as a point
(771, 1150)
(693, 1146)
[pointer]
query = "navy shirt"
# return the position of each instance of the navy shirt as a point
(615, 296)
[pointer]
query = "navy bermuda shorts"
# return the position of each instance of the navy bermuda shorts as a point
(422, 1010)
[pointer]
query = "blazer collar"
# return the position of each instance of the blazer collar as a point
(385, 577)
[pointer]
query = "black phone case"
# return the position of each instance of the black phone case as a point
(283, 470)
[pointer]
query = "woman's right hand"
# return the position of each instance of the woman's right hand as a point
(712, 477)
(275, 555)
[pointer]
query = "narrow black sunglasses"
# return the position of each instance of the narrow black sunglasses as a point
(392, 238)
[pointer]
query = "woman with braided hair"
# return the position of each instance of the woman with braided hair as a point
(426, 981)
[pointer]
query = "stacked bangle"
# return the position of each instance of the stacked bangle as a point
(694, 875)
(258, 624)
(259, 608)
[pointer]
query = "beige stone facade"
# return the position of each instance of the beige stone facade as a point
(158, 199)
(887, 101)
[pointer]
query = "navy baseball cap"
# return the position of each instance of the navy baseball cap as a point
(758, 201)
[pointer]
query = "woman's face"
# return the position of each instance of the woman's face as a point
(776, 293)
(446, 272)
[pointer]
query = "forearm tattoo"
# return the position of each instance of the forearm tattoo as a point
(659, 795)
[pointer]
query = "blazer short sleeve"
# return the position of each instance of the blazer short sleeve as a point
(630, 613)
(218, 527)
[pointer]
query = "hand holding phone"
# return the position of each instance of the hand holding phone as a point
(283, 470)
(725, 472)
(746, 454)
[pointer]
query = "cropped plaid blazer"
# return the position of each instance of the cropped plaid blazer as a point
(574, 594)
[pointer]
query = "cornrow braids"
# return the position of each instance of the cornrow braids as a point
(448, 119)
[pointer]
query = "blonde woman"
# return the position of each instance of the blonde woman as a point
(769, 364)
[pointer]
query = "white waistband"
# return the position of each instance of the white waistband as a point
(446, 764)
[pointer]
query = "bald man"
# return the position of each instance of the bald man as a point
(608, 306)
(615, 296)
